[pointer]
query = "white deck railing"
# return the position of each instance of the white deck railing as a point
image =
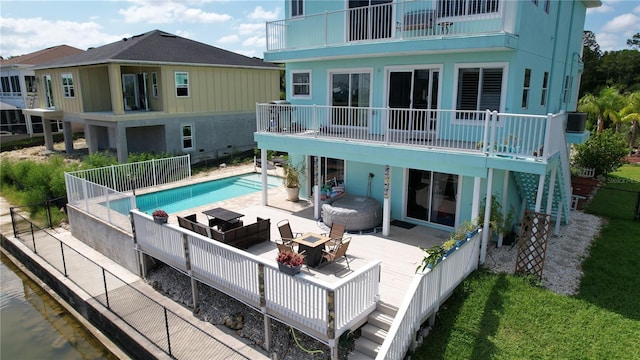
(427, 292)
(501, 134)
(322, 310)
(387, 22)
(139, 175)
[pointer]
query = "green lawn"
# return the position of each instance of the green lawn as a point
(510, 317)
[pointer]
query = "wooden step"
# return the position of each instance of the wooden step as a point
(367, 347)
(381, 320)
(387, 309)
(357, 355)
(373, 333)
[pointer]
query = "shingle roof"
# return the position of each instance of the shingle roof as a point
(42, 56)
(158, 47)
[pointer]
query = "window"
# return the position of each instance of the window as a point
(535, 2)
(349, 92)
(567, 89)
(467, 7)
(15, 85)
(154, 84)
(525, 88)
(547, 4)
(297, 8)
(545, 89)
(67, 86)
(301, 83)
(6, 86)
(479, 89)
(30, 83)
(187, 137)
(182, 84)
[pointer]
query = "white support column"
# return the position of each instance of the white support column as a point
(552, 184)
(48, 136)
(487, 217)
(317, 173)
(505, 190)
(263, 172)
(475, 205)
(386, 205)
(540, 193)
(68, 137)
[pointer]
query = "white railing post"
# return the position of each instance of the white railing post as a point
(153, 168)
(107, 203)
(492, 141)
(113, 176)
(485, 137)
(314, 120)
(547, 134)
(385, 123)
(326, 27)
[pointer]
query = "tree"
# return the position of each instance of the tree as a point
(634, 42)
(605, 152)
(591, 79)
(606, 105)
(631, 113)
(621, 69)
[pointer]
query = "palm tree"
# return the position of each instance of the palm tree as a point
(631, 113)
(606, 105)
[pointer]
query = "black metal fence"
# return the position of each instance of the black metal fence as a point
(627, 202)
(170, 332)
(56, 204)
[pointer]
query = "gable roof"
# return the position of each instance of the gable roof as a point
(42, 56)
(158, 47)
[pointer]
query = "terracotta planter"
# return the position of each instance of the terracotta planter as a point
(288, 269)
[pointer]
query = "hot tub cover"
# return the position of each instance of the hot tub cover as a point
(360, 212)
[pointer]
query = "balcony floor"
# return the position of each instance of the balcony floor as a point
(399, 253)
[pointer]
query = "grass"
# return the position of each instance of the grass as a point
(501, 316)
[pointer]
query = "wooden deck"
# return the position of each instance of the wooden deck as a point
(399, 253)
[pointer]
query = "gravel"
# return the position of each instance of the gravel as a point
(562, 264)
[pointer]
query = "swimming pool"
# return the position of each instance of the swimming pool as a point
(190, 196)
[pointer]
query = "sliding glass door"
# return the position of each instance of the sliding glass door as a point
(412, 94)
(432, 196)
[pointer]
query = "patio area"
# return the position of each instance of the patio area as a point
(399, 253)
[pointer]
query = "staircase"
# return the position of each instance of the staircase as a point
(527, 185)
(374, 332)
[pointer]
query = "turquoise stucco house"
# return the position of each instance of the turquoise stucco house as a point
(428, 106)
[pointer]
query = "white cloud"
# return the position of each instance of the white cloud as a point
(259, 13)
(165, 12)
(623, 24)
(254, 41)
(600, 9)
(610, 42)
(20, 36)
(251, 29)
(229, 39)
(636, 9)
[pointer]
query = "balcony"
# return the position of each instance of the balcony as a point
(395, 21)
(516, 136)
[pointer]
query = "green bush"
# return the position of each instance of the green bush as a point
(605, 152)
(99, 159)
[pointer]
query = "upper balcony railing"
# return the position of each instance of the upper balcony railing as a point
(501, 134)
(387, 22)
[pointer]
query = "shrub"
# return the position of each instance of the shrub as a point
(605, 152)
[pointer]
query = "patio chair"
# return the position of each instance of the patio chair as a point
(336, 233)
(337, 253)
(285, 231)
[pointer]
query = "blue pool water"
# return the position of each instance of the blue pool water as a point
(190, 196)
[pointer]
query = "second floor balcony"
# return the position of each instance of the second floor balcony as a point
(390, 21)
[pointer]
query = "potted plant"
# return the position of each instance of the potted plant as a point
(290, 262)
(449, 246)
(293, 175)
(160, 216)
(433, 257)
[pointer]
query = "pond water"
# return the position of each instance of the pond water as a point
(34, 326)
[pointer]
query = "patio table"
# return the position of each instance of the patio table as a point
(225, 219)
(312, 245)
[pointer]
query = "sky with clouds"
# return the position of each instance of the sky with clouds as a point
(236, 25)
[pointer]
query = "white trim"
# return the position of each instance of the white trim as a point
(349, 71)
(503, 95)
(291, 84)
(71, 88)
(182, 137)
(188, 87)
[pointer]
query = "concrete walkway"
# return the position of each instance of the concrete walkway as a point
(85, 280)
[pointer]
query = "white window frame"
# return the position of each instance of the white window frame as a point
(350, 71)
(182, 86)
(68, 90)
(547, 6)
(299, 5)
(526, 88)
(567, 89)
(294, 84)
(184, 137)
(505, 74)
(154, 84)
(545, 88)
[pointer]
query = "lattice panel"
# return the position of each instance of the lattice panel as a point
(532, 244)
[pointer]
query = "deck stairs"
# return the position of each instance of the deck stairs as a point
(527, 185)
(374, 332)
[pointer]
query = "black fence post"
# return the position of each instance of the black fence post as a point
(64, 263)
(106, 293)
(13, 222)
(33, 238)
(636, 216)
(47, 204)
(166, 325)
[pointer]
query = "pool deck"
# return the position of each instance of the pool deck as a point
(399, 253)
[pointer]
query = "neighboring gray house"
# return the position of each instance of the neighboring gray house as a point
(157, 92)
(19, 91)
